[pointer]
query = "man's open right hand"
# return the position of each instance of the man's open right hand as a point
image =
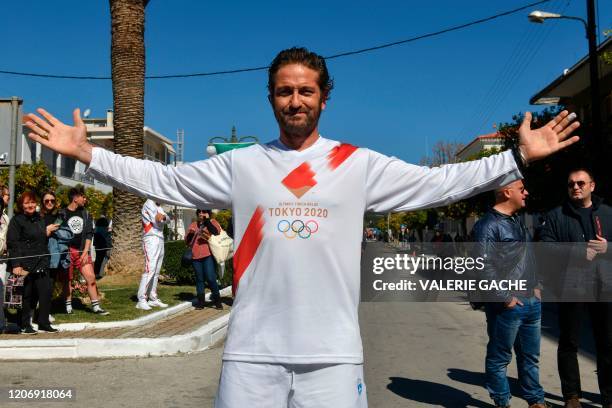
(50, 132)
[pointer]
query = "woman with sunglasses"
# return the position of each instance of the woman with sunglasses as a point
(49, 212)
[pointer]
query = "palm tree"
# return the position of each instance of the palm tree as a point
(128, 77)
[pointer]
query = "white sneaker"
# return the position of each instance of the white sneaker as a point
(157, 303)
(143, 305)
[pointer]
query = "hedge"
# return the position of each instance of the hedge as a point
(173, 269)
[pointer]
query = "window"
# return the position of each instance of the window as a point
(68, 165)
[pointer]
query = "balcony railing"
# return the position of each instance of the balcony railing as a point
(74, 175)
(155, 159)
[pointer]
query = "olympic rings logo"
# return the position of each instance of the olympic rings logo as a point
(297, 228)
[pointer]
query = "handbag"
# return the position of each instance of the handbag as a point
(187, 258)
(14, 291)
(221, 246)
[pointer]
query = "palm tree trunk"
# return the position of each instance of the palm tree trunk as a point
(128, 71)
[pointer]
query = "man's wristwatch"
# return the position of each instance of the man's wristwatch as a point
(520, 159)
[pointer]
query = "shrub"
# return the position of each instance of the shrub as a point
(172, 267)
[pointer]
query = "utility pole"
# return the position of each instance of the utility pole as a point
(178, 157)
(598, 142)
(13, 152)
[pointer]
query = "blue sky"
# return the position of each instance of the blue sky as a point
(398, 101)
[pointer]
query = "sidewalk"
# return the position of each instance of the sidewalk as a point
(161, 333)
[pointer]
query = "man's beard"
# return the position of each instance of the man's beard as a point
(301, 129)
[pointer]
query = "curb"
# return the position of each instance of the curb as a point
(47, 349)
(198, 340)
(141, 321)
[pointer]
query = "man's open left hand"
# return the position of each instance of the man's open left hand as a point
(536, 144)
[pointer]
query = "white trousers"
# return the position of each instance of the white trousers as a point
(153, 248)
(291, 386)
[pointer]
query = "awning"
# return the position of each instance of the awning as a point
(573, 80)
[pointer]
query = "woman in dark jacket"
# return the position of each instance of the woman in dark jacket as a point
(27, 246)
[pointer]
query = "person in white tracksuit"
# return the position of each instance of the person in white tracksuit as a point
(153, 220)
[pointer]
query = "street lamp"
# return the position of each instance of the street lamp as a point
(218, 144)
(598, 143)
(539, 17)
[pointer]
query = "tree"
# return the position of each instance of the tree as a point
(545, 179)
(98, 203)
(442, 153)
(395, 221)
(446, 153)
(607, 56)
(35, 177)
(223, 217)
(128, 77)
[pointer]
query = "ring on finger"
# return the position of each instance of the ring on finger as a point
(45, 135)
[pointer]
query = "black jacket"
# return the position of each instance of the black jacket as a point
(27, 236)
(576, 276)
(502, 241)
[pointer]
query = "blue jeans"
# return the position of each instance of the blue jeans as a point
(205, 272)
(518, 327)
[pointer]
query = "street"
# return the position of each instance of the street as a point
(417, 354)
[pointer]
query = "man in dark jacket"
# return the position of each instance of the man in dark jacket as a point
(513, 317)
(583, 219)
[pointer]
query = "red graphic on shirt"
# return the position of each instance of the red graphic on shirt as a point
(248, 246)
(147, 226)
(339, 154)
(598, 226)
(300, 180)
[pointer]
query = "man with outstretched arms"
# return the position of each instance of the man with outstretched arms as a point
(298, 205)
(153, 221)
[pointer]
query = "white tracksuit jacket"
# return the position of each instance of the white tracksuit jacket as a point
(150, 226)
(298, 221)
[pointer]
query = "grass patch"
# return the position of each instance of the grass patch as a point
(120, 302)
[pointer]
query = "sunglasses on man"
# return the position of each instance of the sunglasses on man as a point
(579, 183)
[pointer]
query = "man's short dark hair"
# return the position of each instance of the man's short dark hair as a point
(74, 192)
(300, 55)
(586, 170)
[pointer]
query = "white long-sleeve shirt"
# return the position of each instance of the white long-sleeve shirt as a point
(4, 222)
(298, 217)
(150, 226)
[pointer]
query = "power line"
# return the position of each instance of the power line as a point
(511, 72)
(339, 55)
(435, 33)
(520, 68)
